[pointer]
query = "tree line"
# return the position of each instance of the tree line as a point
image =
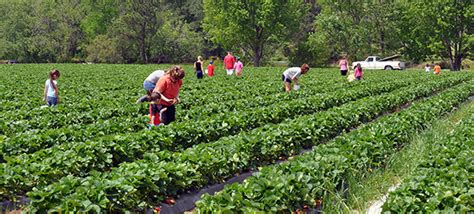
(172, 31)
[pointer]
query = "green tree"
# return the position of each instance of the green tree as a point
(440, 27)
(44, 44)
(251, 25)
(70, 32)
(100, 15)
(305, 46)
(15, 27)
(141, 19)
(104, 50)
(176, 41)
(357, 28)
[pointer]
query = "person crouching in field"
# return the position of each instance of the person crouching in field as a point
(51, 92)
(427, 68)
(358, 72)
(437, 69)
(168, 86)
(293, 74)
(156, 110)
(150, 83)
(350, 76)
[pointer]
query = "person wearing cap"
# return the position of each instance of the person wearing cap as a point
(210, 69)
(238, 66)
(229, 62)
(293, 74)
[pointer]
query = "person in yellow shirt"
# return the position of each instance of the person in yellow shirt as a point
(437, 69)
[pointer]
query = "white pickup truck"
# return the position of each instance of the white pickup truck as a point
(374, 62)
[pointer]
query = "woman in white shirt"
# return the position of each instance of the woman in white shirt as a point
(150, 83)
(51, 92)
(293, 74)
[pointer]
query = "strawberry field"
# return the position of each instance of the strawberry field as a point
(94, 152)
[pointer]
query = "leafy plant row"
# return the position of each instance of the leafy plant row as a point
(307, 179)
(85, 105)
(31, 141)
(318, 86)
(100, 81)
(241, 90)
(189, 133)
(213, 107)
(89, 102)
(24, 171)
(66, 116)
(100, 111)
(78, 88)
(443, 181)
(161, 174)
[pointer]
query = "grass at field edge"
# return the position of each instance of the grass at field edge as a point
(371, 187)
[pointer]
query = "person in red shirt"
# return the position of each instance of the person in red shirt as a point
(210, 69)
(229, 62)
(168, 86)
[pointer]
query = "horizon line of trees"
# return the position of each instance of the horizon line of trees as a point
(259, 31)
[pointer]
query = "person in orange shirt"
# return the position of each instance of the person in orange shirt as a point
(168, 86)
(437, 69)
(210, 69)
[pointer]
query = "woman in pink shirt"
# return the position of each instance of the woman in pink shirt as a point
(238, 66)
(343, 65)
(358, 72)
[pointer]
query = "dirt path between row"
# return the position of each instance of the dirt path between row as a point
(376, 207)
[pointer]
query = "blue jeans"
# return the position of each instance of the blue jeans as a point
(52, 101)
(199, 74)
(148, 86)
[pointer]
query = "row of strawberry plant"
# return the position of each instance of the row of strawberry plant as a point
(79, 83)
(160, 174)
(119, 124)
(66, 117)
(212, 107)
(25, 171)
(305, 180)
(256, 101)
(82, 107)
(61, 117)
(266, 79)
(240, 90)
(208, 129)
(443, 181)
